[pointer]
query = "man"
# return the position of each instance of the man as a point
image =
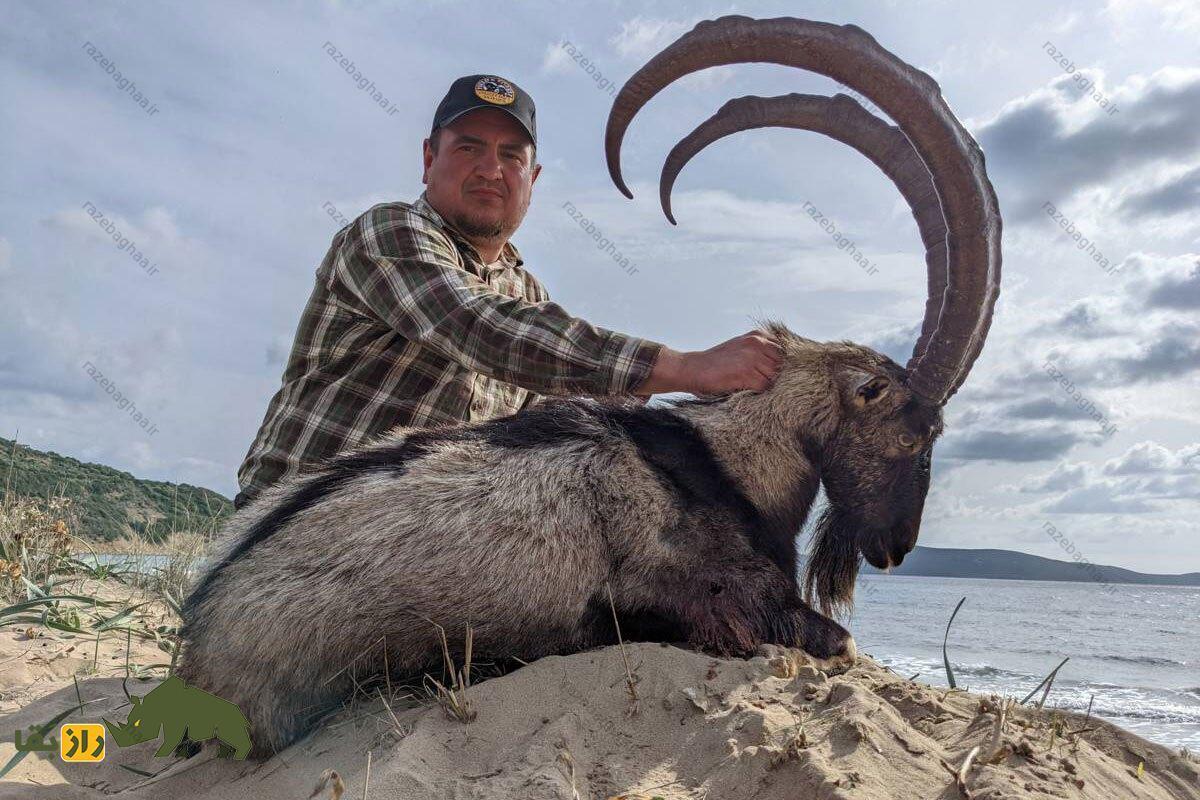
(423, 314)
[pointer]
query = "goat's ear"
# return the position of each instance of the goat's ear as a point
(867, 388)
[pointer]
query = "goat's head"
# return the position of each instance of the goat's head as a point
(875, 467)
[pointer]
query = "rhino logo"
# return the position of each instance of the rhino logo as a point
(183, 712)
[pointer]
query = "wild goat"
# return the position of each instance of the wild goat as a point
(688, 513)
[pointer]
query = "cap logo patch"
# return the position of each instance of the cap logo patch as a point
(495, 90)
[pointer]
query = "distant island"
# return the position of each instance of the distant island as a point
(953, 562)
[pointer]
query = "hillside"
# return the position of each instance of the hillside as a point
(110, 503)
(950, 562)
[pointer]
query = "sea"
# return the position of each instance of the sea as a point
(1134, 650)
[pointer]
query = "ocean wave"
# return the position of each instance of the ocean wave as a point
(1147, 709)
(987, 671)
(1139, 660)
(1109, 700)
(908, 666)
(1151, 661)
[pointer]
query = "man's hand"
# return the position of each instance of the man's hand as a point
(749, 361)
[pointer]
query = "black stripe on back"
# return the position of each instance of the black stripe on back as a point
(676, 449)
(549, 423)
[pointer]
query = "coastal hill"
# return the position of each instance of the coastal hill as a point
(952, 562)
(109, 503)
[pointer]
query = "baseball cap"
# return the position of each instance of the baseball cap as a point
(486, 91)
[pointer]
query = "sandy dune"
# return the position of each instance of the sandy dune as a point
(773, 726)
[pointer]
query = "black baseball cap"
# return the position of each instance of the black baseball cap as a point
(486, 91)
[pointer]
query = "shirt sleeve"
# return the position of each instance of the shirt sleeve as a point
(406, 273)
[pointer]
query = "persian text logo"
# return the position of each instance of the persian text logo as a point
(177, 712)
(81, 742)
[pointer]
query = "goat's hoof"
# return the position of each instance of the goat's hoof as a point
(786, 662)
(841, 661)
(828, 643)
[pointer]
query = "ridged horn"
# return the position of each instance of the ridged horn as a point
(844, 119)
(954, 162)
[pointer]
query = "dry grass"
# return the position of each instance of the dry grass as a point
(35, 543)
(630, 682)
(453, 699)
(45, 584)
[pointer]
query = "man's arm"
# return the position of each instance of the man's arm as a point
(406, 274)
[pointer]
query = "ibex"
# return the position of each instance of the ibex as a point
(687, 513)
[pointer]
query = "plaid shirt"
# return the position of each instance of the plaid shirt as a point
(407, 326)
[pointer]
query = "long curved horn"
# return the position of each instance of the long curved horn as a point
(844, 119)
(957, 321)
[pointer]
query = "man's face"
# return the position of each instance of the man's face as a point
(481, 177)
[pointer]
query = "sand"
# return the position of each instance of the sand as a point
(774, 726)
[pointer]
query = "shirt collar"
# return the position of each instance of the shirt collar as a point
(509, 255)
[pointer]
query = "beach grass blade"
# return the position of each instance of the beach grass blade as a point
(1047, 681)
(945, 657)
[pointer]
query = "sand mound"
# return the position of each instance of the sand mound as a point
(774, 726)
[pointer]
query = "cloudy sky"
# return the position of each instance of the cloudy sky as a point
(251, 133)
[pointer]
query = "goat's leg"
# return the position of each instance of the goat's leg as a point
(761, 606)
(719, 594)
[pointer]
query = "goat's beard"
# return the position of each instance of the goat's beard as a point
(833, 562)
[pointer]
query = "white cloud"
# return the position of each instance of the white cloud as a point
(556, 59)
(1181, 15)
(1065, 137)
(1151, 457)
(641, 38)
(1096, 499)
(1064, 476)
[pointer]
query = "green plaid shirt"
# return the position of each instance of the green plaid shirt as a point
(407, 326)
